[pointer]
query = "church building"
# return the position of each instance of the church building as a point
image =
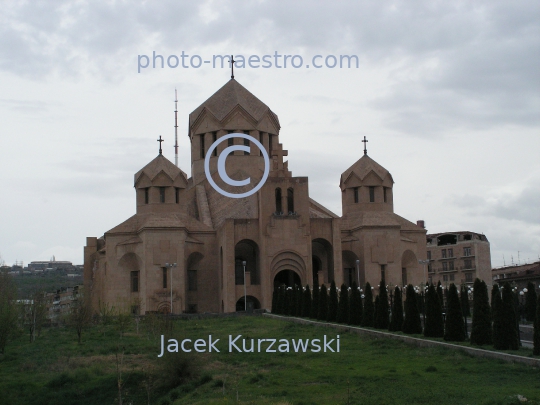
(188, 248)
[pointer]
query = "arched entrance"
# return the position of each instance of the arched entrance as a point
(409, 263)
(288, 277)
(351, 271)
(288, 268)
(164, 307)
(322, 249)
(252, 303)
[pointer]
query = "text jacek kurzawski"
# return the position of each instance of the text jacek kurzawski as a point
(236, 344)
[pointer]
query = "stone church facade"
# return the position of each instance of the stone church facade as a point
(187, 245)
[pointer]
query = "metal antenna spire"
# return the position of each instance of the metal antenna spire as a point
(160, 140)
(175, 128)
(231, 61)
(365, 145)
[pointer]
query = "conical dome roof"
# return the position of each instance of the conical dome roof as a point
(228, 97)
(363, 167)
(158, 165)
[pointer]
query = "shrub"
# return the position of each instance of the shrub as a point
(530, 303)
(536, 338)
(314, 313)
(306, 304)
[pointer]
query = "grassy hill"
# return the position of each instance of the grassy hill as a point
(57, 370)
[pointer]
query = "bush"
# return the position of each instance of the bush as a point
(530, 303)
(177, 369)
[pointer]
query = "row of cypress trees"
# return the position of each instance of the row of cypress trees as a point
(496, 324)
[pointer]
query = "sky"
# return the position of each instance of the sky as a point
(447, 94)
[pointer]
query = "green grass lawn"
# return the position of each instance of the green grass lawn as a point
(57, 370)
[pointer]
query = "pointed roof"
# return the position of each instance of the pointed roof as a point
(229, 96)
(363, 167)
(158, 165)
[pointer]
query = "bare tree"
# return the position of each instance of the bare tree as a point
(80, 315)
(34, 313)
(8, 310)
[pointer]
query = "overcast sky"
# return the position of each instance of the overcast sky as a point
(447, 93)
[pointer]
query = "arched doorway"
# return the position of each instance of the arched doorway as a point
(288, 268)
(352, 271)
(248, 251)
(288, 277)
(322, 249)
(252, 303)
(164, 307)
(409, 263)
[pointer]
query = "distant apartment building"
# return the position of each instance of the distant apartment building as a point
(518, 275)
(459, 258)
(49, 264)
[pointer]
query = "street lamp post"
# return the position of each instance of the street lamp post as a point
(245, 289)
(170, 266)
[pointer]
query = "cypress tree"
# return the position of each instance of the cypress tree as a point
(280, 305)
(434, 326)
(455, 325)
(497, 314)
(306, 305)
(397, 311)
(382, 321)
(481, 333)
(494, 291)
(510, 326)
(411, 323)
(536, 338)
(343, 306)
(314, 313)
(289, 301)
(464, 296)
(332, 303)
(367, 316)
(299, 300)
(375, 310)
(530, 303)
(323, 304)
(355, 305)
(440, 295)
(274, 299)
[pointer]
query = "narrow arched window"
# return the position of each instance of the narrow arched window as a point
(290, 200)
(279, 208)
